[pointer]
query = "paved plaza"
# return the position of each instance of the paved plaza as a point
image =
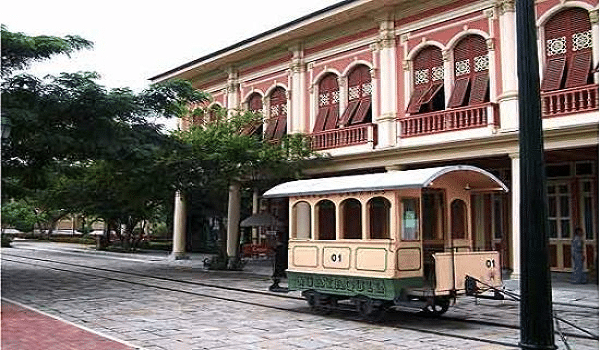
(157, 303)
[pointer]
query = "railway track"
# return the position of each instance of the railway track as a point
(398, 319)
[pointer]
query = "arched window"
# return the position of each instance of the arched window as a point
(301, 220)
(329, 101)
(428, 73)
(358, 110)
(351, 219)
(568, 47)
(215, 113)
(458, 211)
(379, 218)
(326, 220)
(471, 72)
(255, 105)
(277, 122)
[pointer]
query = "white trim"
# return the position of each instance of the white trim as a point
(252, 92)
(415, 50)
(273, 87)
(559, 7)
(354, 64)
(247, 79)
(418, 178)
(459, 36)
(336, 50)
(316, 80)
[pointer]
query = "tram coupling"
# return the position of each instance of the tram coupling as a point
(472, 289)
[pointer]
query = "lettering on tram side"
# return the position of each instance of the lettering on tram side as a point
(339, 283)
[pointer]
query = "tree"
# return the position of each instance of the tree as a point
(19, 50)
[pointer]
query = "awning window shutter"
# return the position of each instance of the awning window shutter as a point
(553, 73)
(414, 104)
(271, 126)
(349, 112)
(281, 128)
(361, 111)
(332, 118)
(479, 88)
(579, 69)
(457, 97)
(432, 92)
(321, 117)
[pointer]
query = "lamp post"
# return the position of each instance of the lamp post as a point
(6, 127)
(537, 331)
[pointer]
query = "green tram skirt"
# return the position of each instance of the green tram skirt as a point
(375, 288)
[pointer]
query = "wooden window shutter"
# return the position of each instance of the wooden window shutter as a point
(281, 128)
(349, 112)
(479, 88)
(321, 118)
(271, 126)
(332, 118)
(361, 111)
(579, 69)
(553, 73)
(431, 92)
(457, 97)
(255, 103)
(414, 104)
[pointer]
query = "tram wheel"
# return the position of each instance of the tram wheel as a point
(437, 308)
(369, 309)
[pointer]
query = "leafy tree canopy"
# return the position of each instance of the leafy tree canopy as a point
(20, 50)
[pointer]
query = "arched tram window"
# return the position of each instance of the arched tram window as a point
(379, 218)
(326, 220)
(410, 219)
(351, 219)
(459, 219)
(301, 213)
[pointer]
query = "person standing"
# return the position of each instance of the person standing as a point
(578, 277)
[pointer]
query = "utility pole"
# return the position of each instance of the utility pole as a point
(537, 331)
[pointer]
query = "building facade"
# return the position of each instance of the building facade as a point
(392, 84)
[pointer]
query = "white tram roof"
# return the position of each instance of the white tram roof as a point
(473, 177)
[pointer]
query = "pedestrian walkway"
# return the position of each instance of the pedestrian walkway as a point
(25, 328)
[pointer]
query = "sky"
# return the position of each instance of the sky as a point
(136, 40)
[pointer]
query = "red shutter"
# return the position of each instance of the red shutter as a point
(271, 125)
(321, 116)
(281, 127)
(349, 112)
(332, 118)
(255, 103)
(431, 92)
(414, 104)
(361, 112)
(479, 88)
(553, 73)
(579, 69)
(457, 97)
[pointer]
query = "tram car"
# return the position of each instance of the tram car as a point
(400, 238)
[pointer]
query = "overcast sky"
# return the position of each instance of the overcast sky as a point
(136, 40)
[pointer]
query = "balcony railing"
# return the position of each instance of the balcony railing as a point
(449, 120)
(568, 101)
(350, 136)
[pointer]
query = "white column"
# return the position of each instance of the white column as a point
(516, 220)
(179, 224)
(233, 219)
(233, 91)
(595, 40)
(508, 99)
(387, 94)
(297, 121)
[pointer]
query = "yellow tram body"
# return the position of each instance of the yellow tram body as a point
(399, 236)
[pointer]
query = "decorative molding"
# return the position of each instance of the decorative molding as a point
(406, 65)
(490, 42)
(489, 13)
(404, 38)
(506, 6)
(594, 16)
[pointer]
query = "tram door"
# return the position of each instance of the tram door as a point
(433, 228)
(490, 223)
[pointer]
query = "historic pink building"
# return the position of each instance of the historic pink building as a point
(392, 84)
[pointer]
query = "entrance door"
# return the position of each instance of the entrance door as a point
(560, 224)
(433, 223)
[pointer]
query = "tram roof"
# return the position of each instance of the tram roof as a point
(475, 178)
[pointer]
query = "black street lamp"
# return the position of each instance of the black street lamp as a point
(537, 331)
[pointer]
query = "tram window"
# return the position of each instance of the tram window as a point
(351, 219)
(301, 220)
(433, 215)
(459, 219)
(326, 220)
(410, 219)
(379, 218)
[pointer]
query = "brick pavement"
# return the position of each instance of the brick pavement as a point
(24, 328)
